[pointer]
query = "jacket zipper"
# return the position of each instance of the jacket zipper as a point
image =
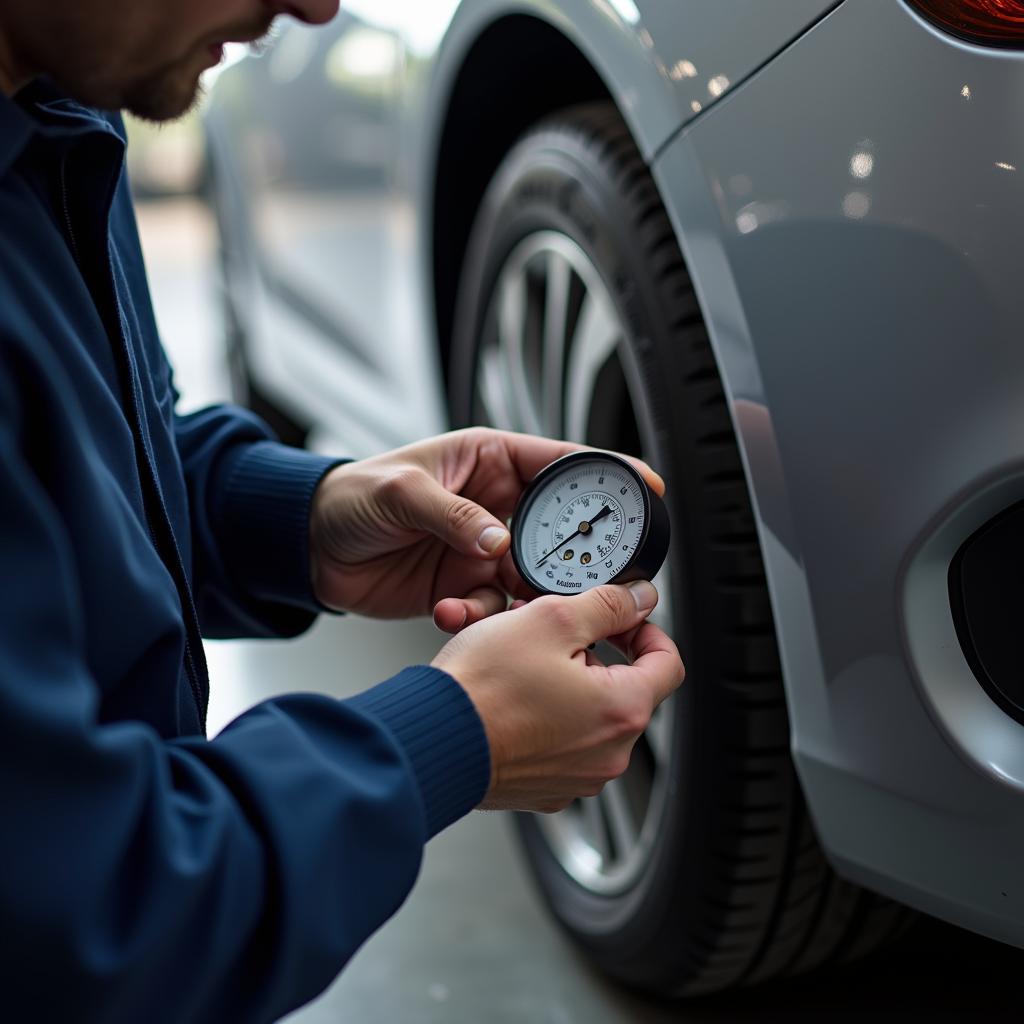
(67, 216)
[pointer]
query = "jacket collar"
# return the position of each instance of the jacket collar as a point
(40, 109)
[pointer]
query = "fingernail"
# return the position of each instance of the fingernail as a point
(644, 594)
(491, 539)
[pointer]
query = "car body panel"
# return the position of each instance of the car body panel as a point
(321, 235)
(856, 247)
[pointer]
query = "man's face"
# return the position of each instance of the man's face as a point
(142, 55)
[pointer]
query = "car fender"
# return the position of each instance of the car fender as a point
(663, 63)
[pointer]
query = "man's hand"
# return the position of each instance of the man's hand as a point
(560, 723)
(422, 528)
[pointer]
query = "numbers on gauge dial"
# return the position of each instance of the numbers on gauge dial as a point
(582, 527)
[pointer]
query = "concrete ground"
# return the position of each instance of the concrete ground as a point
(473, 945)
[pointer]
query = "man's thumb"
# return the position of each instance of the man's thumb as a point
(461, 523)
(612, 609)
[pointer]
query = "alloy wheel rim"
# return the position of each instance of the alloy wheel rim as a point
(555, 359)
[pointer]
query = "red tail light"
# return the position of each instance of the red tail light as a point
(989, 22)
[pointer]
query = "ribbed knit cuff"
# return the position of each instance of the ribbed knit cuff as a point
(268, 497)
(435, 723)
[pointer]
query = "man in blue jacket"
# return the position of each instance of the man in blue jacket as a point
(146, 872)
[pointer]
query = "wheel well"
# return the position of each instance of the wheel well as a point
(517, 72)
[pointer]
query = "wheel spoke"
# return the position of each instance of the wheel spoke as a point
(492, 391)
(662, 614)
(596, 829)
(659, 735)
(615, 804)
(595, 339)
(556, 313)
(512, 300)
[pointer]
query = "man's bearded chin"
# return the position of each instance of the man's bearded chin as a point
(160, 96)
(163, 96)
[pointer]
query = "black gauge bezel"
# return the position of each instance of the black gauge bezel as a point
(651, 549)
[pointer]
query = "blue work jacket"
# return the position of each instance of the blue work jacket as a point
(146, 872)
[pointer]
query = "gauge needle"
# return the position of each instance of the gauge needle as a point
(585, 527)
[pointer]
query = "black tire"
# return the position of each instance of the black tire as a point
(736, 889)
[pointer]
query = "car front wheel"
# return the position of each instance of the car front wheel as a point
(576, 318)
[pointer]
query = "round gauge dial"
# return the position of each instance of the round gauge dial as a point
(586, 519)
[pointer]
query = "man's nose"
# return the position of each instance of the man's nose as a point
(313, 12)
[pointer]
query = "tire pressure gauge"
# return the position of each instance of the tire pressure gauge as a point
(586, 519)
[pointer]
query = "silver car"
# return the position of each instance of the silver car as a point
(775, 248)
